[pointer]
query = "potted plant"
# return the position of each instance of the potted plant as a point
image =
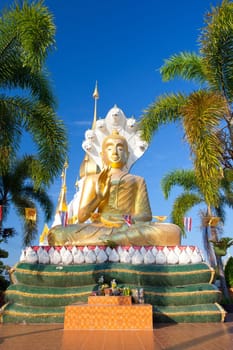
(221, 246)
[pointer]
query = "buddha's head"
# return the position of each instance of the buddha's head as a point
(115, 151)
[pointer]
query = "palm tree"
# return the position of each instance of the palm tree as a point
(193, 196)
(206, 113)
(212, 68)
(27, 103)
(17, 188)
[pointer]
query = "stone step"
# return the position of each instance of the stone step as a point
(201, 293)
(87, 274)
(16, 313)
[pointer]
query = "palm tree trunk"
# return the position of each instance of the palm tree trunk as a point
(1, 215)
(223, 284)
(208, 248)
(222, 277)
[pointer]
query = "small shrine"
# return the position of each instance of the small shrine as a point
(107, 233)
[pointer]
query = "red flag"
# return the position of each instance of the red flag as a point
(188, 224)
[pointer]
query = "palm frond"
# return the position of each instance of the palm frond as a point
(30, 229)
(11, 132)
(164, 110)
(217, 48)
(182, 205)
(185, 65)
(9, 53)
(47, 131)
(21, 181)
(18, 190)
(41, 197)
(220, 211)
(227, 188)
(36, 83)
(33, 27)
(201, 117)
(184, 178)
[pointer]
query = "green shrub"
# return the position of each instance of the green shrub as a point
(229, 272)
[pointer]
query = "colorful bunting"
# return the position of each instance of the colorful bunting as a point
(128, 219)
(30, 214)
(188, 224)
(64, 217)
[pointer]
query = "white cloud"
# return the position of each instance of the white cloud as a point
(82, 122)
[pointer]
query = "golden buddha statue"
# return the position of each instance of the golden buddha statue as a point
(109, 197)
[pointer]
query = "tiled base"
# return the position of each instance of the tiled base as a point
(108, 317)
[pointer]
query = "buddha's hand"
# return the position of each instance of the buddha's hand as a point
(103, 183)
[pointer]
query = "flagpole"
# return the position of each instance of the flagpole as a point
(88, 166)
(62, 205)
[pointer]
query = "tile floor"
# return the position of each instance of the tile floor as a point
(183, 336)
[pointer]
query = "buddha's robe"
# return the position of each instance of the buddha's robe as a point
(127, 197)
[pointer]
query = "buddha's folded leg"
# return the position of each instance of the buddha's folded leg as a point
(96, 234)
(127, 236)
(78, 234)
(146, 234)
(163, 234)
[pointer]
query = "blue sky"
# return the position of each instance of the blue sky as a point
(121, 44)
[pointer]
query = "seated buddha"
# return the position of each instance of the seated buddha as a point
(114, 207)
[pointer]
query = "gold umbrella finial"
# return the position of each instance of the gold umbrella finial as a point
(96, 93)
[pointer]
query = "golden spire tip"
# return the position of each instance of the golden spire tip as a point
(96, 93)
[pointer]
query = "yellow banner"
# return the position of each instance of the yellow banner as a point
(30, 214)
(44, 233)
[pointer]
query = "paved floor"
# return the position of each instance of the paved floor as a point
(183, 336)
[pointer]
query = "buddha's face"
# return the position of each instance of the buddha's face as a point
(115, 152)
